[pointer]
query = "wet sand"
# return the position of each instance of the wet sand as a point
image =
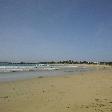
(88, 92)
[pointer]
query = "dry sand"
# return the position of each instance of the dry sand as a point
(89, 92)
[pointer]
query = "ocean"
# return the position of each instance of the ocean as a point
(14, 72)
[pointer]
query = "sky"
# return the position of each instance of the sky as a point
(46, 30)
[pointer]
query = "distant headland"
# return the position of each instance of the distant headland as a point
(61, 62)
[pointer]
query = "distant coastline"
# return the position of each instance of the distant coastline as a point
(58, 62)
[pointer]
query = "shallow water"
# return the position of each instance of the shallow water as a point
(62, 70)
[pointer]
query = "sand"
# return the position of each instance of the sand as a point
(88, 92)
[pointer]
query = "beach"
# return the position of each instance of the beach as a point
(87, 92)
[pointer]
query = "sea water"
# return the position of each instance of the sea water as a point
(19, 72)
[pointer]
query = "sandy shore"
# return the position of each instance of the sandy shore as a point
(90, 92)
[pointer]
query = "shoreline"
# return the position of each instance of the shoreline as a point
(46, 72)
(87, 92)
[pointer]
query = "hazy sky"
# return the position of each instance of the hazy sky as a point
(43, 30)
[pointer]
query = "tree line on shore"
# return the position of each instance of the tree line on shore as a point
(60, 62)
(76, 62)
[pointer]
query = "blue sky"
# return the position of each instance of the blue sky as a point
(45, 30)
